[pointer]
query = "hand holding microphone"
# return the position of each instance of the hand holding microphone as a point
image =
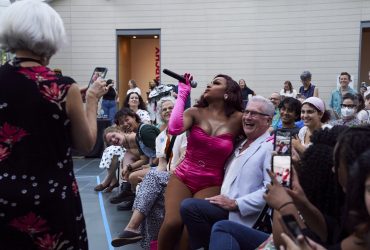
(182, 79)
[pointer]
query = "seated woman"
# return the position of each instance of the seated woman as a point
(136, 103)
(145, 140)
(213, 124)
(313, 115)
(114, 155)
(148, 208)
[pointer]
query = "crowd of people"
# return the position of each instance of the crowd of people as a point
(195, 177)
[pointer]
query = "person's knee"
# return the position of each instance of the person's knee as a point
(172, 225)
(219, 226)
(188, 207)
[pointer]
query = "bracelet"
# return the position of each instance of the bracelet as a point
(285, 204)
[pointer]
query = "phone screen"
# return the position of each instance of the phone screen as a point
(283, 142)
(291, 225)
(98, 72)
(282, 168)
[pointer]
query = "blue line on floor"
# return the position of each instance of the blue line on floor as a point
(104, 216)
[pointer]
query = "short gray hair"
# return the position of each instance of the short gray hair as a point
(34, 26)
(306, 75)
(268, 107)
(163, 100)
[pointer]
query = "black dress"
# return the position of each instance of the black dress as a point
(40, 205)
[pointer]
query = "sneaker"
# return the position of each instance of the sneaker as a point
(125, 238)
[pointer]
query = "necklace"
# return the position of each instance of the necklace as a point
(18, 60)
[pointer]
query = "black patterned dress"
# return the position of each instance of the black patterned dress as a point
(40, 205)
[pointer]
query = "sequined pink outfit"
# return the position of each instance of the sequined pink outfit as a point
(205, 159)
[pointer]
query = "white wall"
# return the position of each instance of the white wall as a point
(263, 41)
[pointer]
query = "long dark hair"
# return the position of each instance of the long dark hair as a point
(357, 216)
(141, 101)
(234, 97)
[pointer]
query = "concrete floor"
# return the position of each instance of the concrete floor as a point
(103, 221)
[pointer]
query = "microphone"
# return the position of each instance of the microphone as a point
(193, 84)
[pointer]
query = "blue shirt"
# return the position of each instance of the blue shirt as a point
(336, 99)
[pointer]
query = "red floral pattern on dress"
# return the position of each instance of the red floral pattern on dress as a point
(75, 188)
(50, 242)
(30, 224)
(54, 93)
(9, 135)
(38, 74)
(4, 152)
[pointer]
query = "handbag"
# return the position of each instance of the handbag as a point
(264, 220)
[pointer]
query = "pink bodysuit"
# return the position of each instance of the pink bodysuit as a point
(205, 159)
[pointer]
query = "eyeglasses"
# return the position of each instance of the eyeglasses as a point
(348, 105)
(167, 109)
(274, 99)
(254, 113)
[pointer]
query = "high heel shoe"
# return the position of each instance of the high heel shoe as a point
(111, 187)
(100, 187)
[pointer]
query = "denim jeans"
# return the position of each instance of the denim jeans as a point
(110, 109)
(229, 235)
(199, 215)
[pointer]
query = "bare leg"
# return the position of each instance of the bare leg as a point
(135, 221)
(176, 191)
(137, 176)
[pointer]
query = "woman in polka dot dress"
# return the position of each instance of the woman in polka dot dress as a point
(41, 118)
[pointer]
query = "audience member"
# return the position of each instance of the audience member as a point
(246, 92)
(109, 102)
(313, 115)
(353, 176)
(41, 118)
(336, 99)
(136, 103)
(215, 120)
(308, 89)
(241, 198)
(148, 208)
(362, 113)
(290, 115)
(275, 98)
(348, 111)
(132, 87)
(145, 140)
(288, 90)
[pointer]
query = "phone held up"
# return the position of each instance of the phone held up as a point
(98, 72)
(291, 226)
(282, 162)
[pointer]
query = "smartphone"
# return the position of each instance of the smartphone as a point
(282, 169)
(283, 142)
(291, 226)
(98, 72)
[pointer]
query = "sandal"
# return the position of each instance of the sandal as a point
(111, 187)
(125, 238)
(100, 187)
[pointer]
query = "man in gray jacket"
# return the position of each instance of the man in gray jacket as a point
(241, 198)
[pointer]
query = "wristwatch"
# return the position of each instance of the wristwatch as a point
(129, 167)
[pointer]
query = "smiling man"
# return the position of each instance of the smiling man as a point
(241, 198)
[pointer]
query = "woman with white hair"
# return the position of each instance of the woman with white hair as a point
(41, 118)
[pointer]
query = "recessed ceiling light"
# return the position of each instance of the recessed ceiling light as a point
(134, 37)
(155, 37)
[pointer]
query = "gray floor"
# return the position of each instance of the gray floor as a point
(103, 221)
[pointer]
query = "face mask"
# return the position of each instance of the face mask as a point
(346, 112)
